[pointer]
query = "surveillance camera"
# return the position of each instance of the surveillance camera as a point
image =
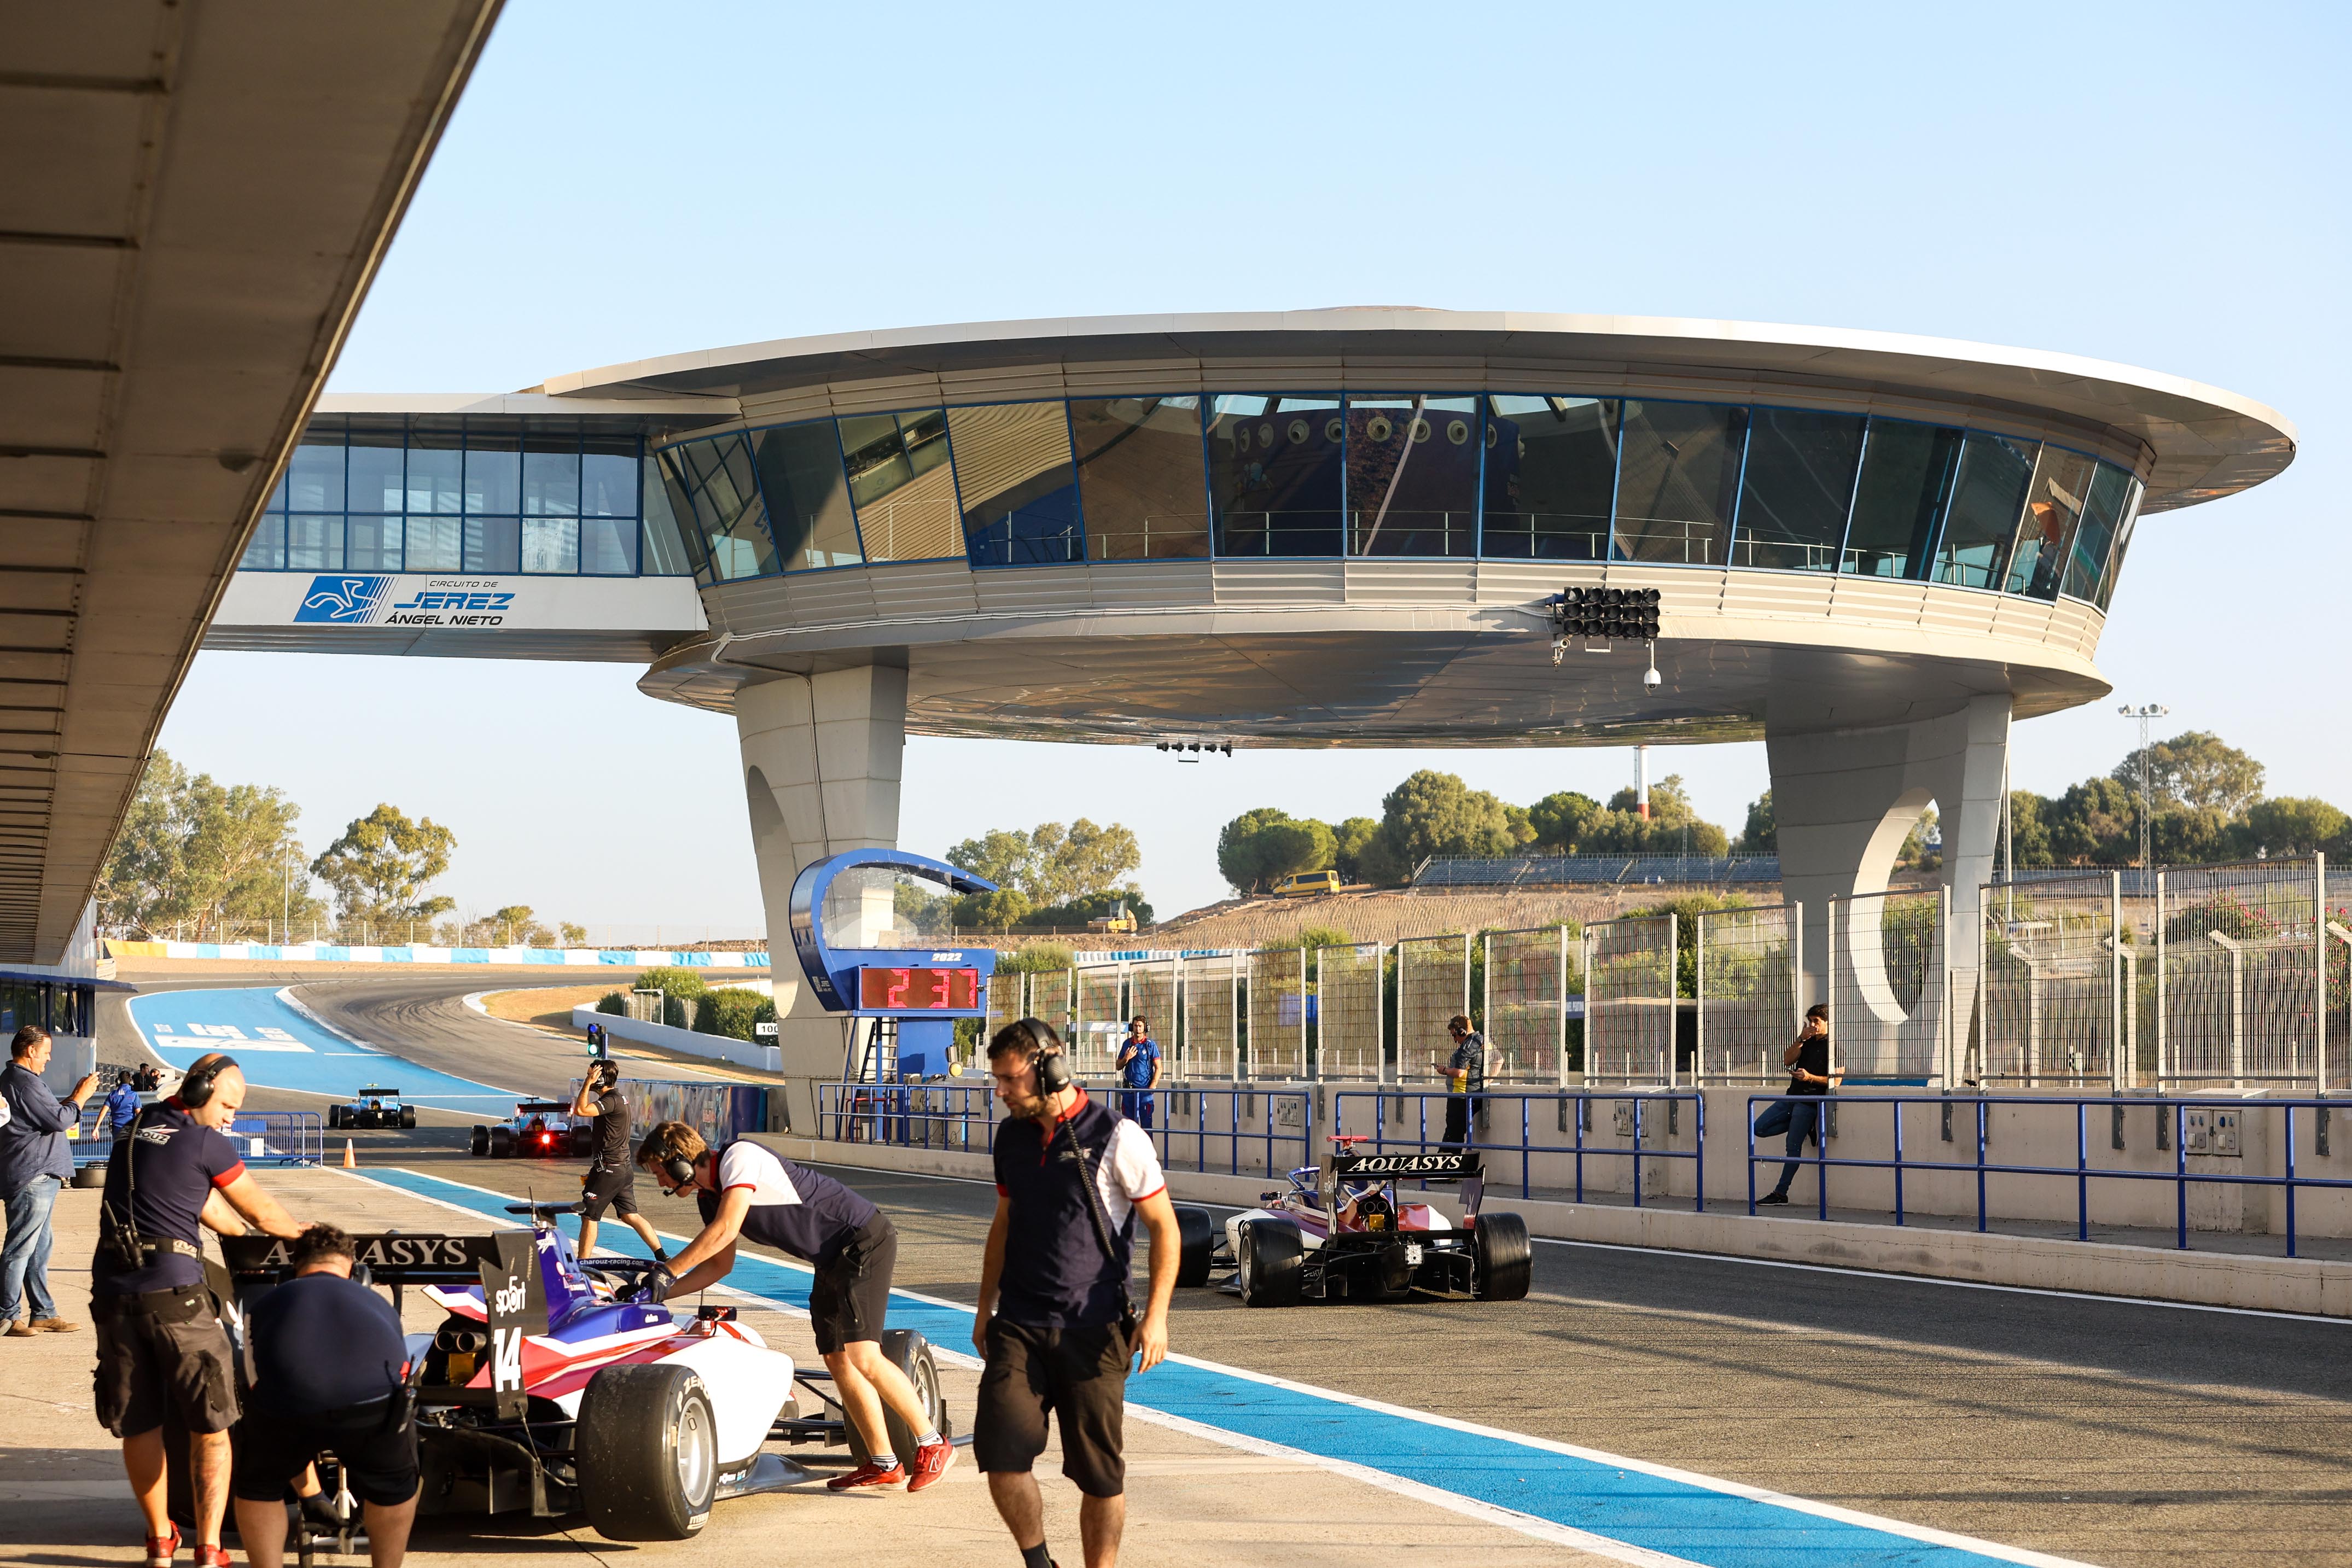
(1651, 680)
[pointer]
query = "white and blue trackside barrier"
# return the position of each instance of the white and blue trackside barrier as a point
(330, 953)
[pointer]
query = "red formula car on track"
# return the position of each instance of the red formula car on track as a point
(1342, 1233)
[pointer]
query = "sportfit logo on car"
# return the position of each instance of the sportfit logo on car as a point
(350, 599)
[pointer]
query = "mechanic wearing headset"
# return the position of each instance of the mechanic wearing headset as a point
(747, 1192)
(1055, 1324)
(611, 1181)
(161, 1346)
(330, 1369)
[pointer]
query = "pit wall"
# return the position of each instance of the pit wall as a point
(1258, 1131)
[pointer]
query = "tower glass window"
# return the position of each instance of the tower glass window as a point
(902, 486)
(1906, 479)
(1140, 480)
(2094, 535)
(1412, 475)
(1277, 474)
(1018, 485)
(807, 496)
(1550, 477)
(2054, 508)
(1797, 488)
(1987, 497)
(1678, 476)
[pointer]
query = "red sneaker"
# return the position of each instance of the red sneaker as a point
(931, 1463)
(213, 1557)
(161, 1548)
(869, 1474)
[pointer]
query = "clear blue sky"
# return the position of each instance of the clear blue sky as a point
(2160, 186)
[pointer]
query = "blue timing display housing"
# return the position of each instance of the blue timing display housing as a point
(833, 967)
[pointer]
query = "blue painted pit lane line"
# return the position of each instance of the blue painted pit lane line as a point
(279, 1045)
(1651, 1513)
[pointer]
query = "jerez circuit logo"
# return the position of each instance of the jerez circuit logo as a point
(354, 600)
(344, 600)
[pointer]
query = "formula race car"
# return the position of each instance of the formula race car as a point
(553, 1388)
(373, 1107)
(1340, 1232)
(538, 1127)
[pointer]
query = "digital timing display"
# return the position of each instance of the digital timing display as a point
(915, 990)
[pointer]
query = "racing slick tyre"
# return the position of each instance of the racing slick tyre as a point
(583, 1141)
(1272, 1264)
(479, 1144)
(334, 1118)
(646, 1448)
(1503, 1257)
(502, 1142)
(910, 1352)
(1198, 1229)
(408, 1115)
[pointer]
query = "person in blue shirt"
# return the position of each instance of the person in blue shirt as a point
(1138, 1069)
(122, 1108)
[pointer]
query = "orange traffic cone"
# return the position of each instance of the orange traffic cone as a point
(350, 1162)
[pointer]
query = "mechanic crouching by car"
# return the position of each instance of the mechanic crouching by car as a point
(745, 1192)
(1055, 1324)
(611, 1181)
(330, 1369)
(161, 1347)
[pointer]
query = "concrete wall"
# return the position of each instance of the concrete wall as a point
(716, 1047)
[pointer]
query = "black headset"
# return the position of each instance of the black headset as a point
(1045, 1054)
(196, 1088)
(679, 1170)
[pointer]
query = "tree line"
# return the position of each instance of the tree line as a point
(204, 859)
(1051, 875)
(1433, 814)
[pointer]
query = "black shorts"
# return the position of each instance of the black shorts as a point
(379, 1457)
(154, 1364)
(1078, 1373)
(850, 1295)
(616, 1190)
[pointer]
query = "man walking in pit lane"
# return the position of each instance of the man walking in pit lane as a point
(1139, 1068)
(1055, 1324)
(161, 1347)
(330, 1364)
(748, 1193)
(611, 1181)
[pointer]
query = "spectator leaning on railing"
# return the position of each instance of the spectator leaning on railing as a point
(1808, 1061)
(34, 1161)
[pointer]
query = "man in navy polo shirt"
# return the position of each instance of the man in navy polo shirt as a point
(1139, 1068)
(161, 1347)
(1052, 1295)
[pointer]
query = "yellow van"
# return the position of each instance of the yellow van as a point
(1307, 883)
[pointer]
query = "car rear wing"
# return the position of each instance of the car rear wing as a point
(544, 1105)
(1347, 1162)
(372, 1089)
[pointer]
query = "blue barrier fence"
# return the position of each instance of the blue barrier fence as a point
(1654, 1114)
(1213, 1130)
(273, 1137)
(2179, 1114)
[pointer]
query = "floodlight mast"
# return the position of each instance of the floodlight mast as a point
(2144, 713)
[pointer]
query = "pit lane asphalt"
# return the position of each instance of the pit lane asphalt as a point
(2112, 1432)
(2107, 1431)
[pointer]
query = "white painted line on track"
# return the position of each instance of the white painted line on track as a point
(1939, 1280)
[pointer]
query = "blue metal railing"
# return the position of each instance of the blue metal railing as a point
(1198, 1129)
(278, 1137)
(2081, 1171)
(1577, 1103)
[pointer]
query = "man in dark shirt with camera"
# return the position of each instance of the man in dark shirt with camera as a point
(330, 1369)
(1810, 1078)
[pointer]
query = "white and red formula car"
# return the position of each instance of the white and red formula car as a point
(550, 1388)
(1342, 1233)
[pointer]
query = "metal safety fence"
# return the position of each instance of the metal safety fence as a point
(1433, 987)
(1152, 996)
(1212, 1036)
(1230, 1131)
(1528, 979)
(1053, 998)
(1008, 1000)
(2242, 974)
(1276, 1045)
(1746, 966)
(1890, 985)
(2054, 976)
(1350, 1016)
(1628, 1000)
(278, 1138)
(1100, 1021)
(1551, 1134)
(2216, 1134)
